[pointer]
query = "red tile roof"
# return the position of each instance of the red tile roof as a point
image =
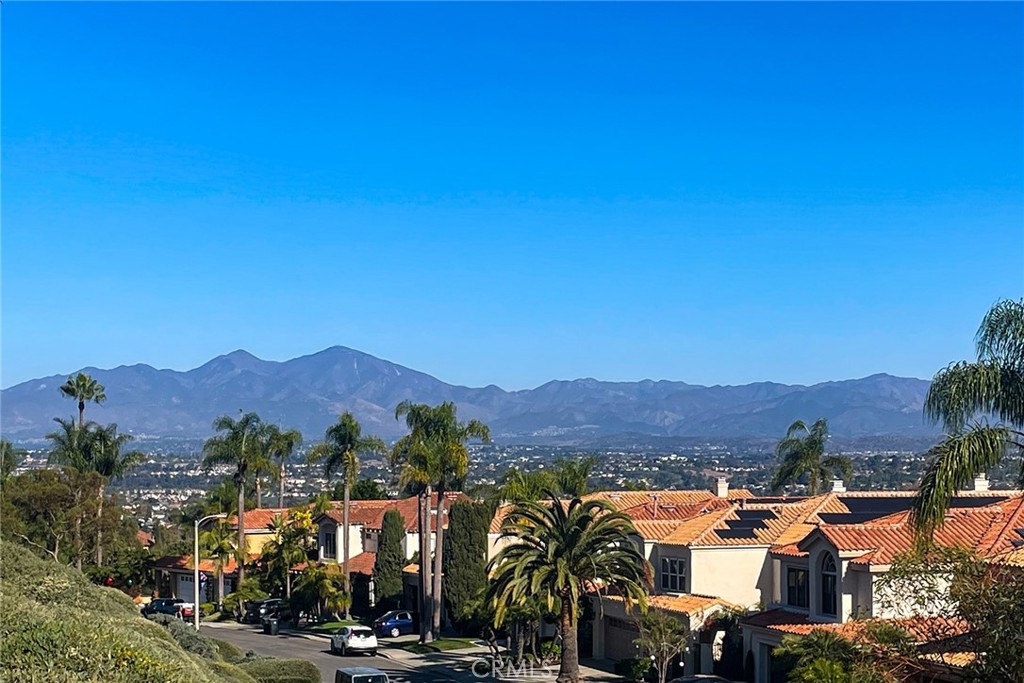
(881, 540)
(145, 538)
(370, 513)
(362, 563)
(922, 629)
(259, 519)
(184, 563)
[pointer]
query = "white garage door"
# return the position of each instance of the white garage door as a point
(185, 588)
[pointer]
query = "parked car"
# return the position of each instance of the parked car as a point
(354, 639)
(256, 610)
(175, 607)
(276, 609)
(360, 674)
(395, 623)
(700, 678)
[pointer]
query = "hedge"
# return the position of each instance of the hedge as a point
(229, 652)
(282, 671)
(184, 633)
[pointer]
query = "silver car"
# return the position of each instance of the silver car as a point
(354, 640)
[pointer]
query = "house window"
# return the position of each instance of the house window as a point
(796, 587)
(673, 574)
(330, 545)
(828, 584)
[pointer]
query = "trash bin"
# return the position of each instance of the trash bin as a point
(272, 626)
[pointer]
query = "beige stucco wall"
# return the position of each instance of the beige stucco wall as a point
(737, 575)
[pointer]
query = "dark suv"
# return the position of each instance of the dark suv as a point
(175, 607)
(271, 608)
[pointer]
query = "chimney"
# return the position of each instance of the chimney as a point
(980, 483)
(722, 487)
(838, 486)
(654, 505)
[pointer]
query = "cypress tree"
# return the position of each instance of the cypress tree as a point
(465, 557)
(387, 568)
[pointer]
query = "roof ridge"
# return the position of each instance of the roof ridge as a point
(988, 546)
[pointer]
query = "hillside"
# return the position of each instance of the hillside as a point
(310, 391)
(59, 627)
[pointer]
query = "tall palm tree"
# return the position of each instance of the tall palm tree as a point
(238, 446)
(802, 453)
(216, 543)
(339, 452)
(110, 463)
(963, 397)
(83, 388)
(555, 552)
(445, 460)
(280, 445)
(92, 448)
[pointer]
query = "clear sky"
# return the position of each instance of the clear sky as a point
(511, 193)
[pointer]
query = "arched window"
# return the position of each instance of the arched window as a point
(829, 578)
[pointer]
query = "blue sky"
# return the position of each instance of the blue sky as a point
(511, 193)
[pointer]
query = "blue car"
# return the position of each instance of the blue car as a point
(395, 623)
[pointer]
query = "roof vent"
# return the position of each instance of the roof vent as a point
(838, 486)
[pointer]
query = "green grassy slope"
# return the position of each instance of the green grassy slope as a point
(56, 626)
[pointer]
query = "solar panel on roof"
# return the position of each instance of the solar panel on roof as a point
(1017, 543)
(736, 533)
(746, 524)
(975, 501)
(881, 506)
(848, 518)
(756, 514)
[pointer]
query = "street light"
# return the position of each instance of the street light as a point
(195, 565)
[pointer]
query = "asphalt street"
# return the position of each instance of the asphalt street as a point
(317, 650)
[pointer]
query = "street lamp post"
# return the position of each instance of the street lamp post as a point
(195, 565)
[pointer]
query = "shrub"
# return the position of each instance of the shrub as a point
(229, 652)
(550, 651)
(229, 673)
(185, 635)
(207, 608)
(634, 669)
(282, 671)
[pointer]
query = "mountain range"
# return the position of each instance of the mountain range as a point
(310, 391)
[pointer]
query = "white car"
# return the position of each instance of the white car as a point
(354, 639)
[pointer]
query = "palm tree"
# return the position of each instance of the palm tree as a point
(962, 397)
(71, 447)
(573, 475)
(339, 452)
(92, 448)
(110, 463)
(442, 457)
(326, 589)
(217, 544)
(556, 552)
(10, 457)
(279, 446)
(802, 452)
(285, 550)
(238, 446)
(83, 388)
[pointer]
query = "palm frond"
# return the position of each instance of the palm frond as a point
(955, 462)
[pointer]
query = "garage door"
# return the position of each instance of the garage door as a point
(185, 591)
(618, 639)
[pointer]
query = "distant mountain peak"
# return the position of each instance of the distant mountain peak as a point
(309, 392)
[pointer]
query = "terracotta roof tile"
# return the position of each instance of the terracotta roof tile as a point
(259, 519)
(690, 604)
(623, 500)
(889, 536)
(370, 513)
(362, 563)
(660, 510)
(184, 563)
(655, 530)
